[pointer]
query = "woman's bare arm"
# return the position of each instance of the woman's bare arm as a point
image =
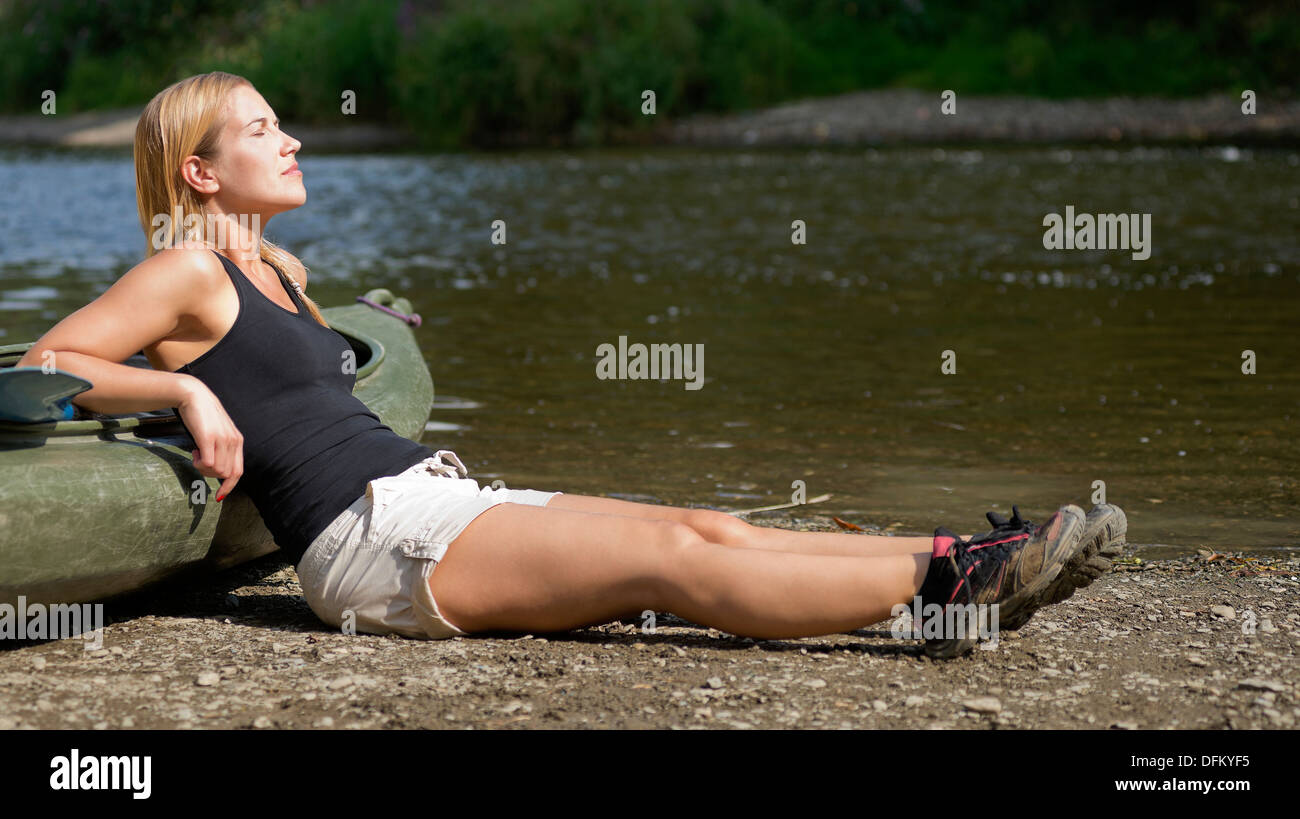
(147, 305)
(142, 307)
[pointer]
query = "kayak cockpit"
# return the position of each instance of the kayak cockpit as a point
(44, 404)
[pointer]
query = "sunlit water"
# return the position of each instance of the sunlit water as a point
(822, 362)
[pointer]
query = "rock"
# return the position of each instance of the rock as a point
(983, 705)
(1125, 726)
(324, 722)
(714, 682)
(208, 678)
(816, 682)
(261, 722)
(914, 701)
(880, 705)
(1196, 660)
(38, 663)
(1266, 626)
(1256, 684)
(1226, 612)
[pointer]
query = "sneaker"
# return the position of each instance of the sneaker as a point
(1104, 532)
(1007, 566)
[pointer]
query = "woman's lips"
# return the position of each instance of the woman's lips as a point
(293, 171)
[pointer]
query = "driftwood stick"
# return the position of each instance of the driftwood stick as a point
(817, 499)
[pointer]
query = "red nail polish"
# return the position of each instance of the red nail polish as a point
(220, 497)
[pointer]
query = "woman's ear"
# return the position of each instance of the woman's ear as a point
(199, 175)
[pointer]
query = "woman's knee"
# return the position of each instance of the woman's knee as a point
(719, 527)
(676, 544)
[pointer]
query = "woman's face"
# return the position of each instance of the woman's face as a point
(255, 165)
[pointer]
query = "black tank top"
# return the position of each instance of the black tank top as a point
(310, 445)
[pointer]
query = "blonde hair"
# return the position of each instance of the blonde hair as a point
(186, 119)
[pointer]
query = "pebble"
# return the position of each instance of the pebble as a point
(914, 701)
(1197, 660)
(38, 663)
(208, 678)
(1226, 612)
(262, 722)
(714, 682)
(1256, 684)
(983, 705)
(816, 682)
(880, 705)
(1125, 726)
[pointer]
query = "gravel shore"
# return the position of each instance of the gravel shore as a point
(902, 117)
(1209, 641)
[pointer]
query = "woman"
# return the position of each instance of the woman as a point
(253, 372)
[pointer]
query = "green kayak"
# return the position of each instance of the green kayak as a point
(99, 505)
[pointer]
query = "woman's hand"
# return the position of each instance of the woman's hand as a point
(221, 446)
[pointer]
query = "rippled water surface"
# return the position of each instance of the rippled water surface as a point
(821, 361)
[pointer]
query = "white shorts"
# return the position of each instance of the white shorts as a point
(371, 565)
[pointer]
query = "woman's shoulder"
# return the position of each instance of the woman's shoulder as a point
(193, 263)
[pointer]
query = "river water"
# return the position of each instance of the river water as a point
(823, 362)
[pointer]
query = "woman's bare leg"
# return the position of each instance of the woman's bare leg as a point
(729, 530)
(533, 568)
